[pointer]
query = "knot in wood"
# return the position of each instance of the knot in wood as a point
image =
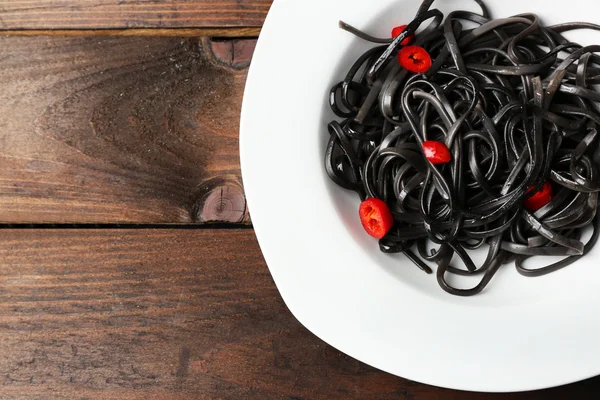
(222, 203)
(235, 53)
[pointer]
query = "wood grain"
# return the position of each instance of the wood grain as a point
(121, 130)
(103, 14)
(170, 314)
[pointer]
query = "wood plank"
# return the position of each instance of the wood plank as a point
(121, 130)
(142, 316)
(120, 14)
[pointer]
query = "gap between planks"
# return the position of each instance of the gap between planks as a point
(233, 32)
(109, 226)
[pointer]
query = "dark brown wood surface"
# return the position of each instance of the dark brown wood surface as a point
(121, 130)
(104, 14)
(118, 112)
(170, 314)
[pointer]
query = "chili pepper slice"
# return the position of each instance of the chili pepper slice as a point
(375, 217)
(414, 59)
(398, 30)
(436, 152)
(539, 198)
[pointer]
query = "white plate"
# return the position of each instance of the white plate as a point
(519, 334)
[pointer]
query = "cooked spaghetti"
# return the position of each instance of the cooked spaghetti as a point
(513, 101)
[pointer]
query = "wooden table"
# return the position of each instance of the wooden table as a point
(129, 268)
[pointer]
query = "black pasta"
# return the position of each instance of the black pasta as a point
(515, 103)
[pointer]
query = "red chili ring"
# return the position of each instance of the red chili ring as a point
(436, 152)
(540, 198)
(414, 59)
(375, 217)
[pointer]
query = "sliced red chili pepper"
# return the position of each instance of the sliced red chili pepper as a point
(375, 217)
(398, 30)
(436, 152)
(414, 59)
(539, 198)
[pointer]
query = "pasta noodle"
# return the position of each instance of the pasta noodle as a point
(515, 103)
